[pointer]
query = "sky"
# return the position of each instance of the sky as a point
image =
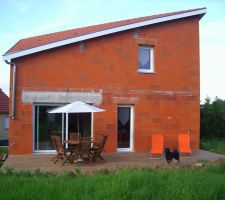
(25, 18)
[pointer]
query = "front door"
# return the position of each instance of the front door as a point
(125, 128)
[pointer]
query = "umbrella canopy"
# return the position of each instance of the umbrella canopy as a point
(76, 107)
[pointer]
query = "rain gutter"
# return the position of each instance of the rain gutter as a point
(13, 88)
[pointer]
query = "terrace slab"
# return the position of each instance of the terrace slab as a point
(112, 161)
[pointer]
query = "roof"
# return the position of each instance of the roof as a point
(44, 42)
(4, 102)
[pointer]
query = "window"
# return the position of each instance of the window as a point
(146, 59)
(6, 123)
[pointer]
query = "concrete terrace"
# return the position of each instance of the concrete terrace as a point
(115, 160)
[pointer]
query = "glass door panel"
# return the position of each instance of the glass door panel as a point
(124, 128)
(84, 120)
(45, 125)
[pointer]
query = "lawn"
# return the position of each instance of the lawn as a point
(213, 145)
(206, 183)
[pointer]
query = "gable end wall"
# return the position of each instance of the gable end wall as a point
(165, 102)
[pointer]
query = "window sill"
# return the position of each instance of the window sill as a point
(146, 71)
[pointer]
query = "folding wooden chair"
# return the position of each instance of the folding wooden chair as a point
(74, 136)
(98, 147)
(3, 157)
(84, 150)
(60, 150)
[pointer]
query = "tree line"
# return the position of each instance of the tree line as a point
(212, 116)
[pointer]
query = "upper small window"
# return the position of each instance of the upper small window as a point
(146, 59)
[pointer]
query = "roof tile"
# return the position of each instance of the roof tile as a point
(4, 102)
(36, 41)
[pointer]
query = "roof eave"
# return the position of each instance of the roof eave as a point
(9, 56)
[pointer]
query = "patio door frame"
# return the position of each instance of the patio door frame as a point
(63, 126)
(34, 125)
(131, 148)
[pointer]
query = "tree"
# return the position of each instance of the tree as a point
(213, 118)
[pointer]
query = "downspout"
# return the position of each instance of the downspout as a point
(13, 89)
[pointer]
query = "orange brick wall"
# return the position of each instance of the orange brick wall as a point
(166, 102)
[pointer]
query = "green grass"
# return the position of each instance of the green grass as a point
(207, 183)
(214, 145)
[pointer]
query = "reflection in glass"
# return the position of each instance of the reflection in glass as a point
(45, 125)
(123, 137)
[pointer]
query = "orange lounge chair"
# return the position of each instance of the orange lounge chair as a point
(157, 144)
(184, 143)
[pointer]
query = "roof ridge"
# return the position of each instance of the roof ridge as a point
(42, 42)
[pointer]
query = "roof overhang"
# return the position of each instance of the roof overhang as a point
(18, 54)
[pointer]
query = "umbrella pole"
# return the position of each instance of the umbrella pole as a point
(67, 125)
(78, 128)
(62, 126)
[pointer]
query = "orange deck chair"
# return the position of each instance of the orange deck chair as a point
(184, 143)
(157, 144)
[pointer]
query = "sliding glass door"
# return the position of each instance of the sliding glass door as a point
(46, 124)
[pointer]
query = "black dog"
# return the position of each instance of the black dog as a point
(171, 155)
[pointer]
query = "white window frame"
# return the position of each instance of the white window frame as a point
(33, 116)
(151, 67)
(131, 148)
(33, 128)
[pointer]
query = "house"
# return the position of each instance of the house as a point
(144, 72)
(4, 118)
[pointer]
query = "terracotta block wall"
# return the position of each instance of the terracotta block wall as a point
(165, 102)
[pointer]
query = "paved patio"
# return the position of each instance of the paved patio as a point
(115, 160)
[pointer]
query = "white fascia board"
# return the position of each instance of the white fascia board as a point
(101, 33)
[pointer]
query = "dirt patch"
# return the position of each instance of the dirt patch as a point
(172, 166)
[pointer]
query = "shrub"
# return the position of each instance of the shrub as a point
(213, 118)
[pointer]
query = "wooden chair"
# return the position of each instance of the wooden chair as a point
(184, 144)
(74, 136)
(98, 147)
(157, 145)
(84, 150)
(60, 150)
(99, 139)
(3, 157)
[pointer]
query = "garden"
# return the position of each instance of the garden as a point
(180, 183)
